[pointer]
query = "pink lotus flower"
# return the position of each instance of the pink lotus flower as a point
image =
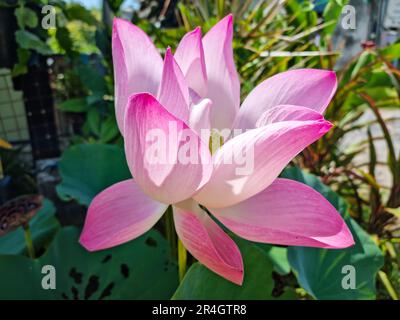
(198, 88)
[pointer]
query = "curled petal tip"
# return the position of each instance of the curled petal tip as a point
(330, 77)
(238, 278)
(329, 73)
(82, 241)
(116, 21)
(189, 55)
(229, 21)
(326, 126)
(344, 239)
(332, 74)
(333, 78)
(197, 30)
(341, 240)
(322, 126)
(85, 239)
(168, 56)
(86, 244)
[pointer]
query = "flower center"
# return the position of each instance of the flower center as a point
(216, 140)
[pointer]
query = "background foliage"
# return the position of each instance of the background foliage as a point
(270, 37)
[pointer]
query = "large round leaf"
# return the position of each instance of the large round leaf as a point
(43, 225)
(278, 257)
(87, 169)
(139, 269)
(201, 283)
(321, 271)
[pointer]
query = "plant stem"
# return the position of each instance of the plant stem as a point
(182, 259)
(177, 248)
(388, 285)
(28, 241)
(170, 232)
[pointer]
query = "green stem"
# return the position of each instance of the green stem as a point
(182, 259)
(177, 248)
(28, 240)
(170, 232)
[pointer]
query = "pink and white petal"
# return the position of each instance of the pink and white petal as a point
(311, 88)
(119, 214)
(167, 159)
(223, 80)
(190, 57)
(287, 213)
(288, 113)
(208, 243)
(137, 65)
(174, 92)
(251, 161)
(199, 120)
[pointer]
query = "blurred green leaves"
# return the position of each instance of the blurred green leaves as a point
(88, 169)
(73, 105)
(139, 269)
(75, 11)
(26, 17)
(28, 40)
(92, 80)
(332, 12)
(270, 37)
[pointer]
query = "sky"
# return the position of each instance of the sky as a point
(97, 3)
(88, 3)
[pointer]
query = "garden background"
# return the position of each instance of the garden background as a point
(59, 138)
